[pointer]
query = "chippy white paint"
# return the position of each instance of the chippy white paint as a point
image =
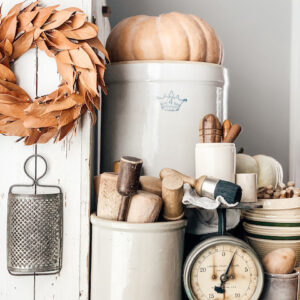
(104, 30)
(70, 166)
(295, 94)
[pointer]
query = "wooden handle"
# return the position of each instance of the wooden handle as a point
(116, 166)
(233, 133)
(226, 128)
(129, 175)
(198, 185)
(128, 182)
(122, 216)
(172, 194)
(186, 179)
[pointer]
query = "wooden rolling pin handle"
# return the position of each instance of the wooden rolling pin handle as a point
(116, 166)
(125, 203)
(232, 134)
(194, 183)
(128, 182)
(199, 184)
(226, 128)
(169, 172)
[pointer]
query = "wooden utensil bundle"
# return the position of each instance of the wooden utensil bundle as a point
(211, 130)
(119, 197)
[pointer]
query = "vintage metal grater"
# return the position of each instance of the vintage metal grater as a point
(34, 228)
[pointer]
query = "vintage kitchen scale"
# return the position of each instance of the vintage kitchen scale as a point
(223, 267)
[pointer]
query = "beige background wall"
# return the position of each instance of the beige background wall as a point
(256, 37)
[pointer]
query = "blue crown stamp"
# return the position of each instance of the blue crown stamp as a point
(171, 102)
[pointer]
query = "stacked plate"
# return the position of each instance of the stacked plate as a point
(276, 225)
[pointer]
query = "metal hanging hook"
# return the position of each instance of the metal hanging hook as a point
(35, 179)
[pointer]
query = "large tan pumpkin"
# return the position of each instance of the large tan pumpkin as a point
(172, 36)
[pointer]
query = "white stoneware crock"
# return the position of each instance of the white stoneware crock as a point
(248, 183)
(153, 110)
(216, 160)
(136, 261)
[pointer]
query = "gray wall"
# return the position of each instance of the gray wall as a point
(256, 38)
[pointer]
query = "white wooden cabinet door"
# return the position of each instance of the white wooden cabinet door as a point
(70, 166)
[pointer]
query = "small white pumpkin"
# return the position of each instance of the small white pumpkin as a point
(269, 171)
(171, 36)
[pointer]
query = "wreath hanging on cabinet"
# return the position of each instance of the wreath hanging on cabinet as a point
(67, 37)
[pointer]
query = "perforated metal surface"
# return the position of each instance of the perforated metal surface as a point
(34, 233)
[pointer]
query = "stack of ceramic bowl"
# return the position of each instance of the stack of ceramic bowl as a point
(276, 225)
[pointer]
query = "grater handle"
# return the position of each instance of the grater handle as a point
(35, 181)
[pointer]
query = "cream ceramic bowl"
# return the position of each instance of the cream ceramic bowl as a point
(280, 204)
(273, 231)
(275, 212)
(264, 246)
(288, 216)
(273, 216)
(276, 225)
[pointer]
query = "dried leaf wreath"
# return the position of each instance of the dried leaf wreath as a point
(66, 36)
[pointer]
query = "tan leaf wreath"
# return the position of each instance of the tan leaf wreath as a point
(66, 36)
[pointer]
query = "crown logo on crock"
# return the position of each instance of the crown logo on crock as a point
(171, 102)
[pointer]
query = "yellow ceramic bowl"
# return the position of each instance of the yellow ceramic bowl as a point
(264, 246)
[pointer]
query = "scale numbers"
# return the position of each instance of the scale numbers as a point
(223, 268)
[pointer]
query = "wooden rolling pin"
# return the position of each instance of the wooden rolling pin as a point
(128, 182)
(144, 207)
(151, 184)
(109, 200)
(232, 134)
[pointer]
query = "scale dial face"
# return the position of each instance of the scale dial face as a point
(223, 268)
